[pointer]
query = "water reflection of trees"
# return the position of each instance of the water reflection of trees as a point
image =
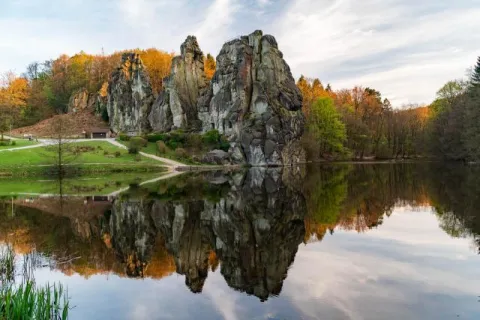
(247, 224)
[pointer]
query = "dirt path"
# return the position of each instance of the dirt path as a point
(172, 163)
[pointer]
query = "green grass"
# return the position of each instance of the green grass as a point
(83, 186)
(103, 153)
(19, 143)
(151, 148)
(27, 301)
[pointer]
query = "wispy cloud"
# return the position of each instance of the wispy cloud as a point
(402, 48)
(405, 48)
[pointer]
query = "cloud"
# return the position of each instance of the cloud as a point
(407, 268)
(216, 24)
(410, 43)
(406, 49)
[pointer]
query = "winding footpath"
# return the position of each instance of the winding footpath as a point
(171, 164)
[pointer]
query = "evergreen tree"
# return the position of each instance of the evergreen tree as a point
(475, 79)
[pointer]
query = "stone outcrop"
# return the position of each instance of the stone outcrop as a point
(130, 97)
(82, 100)
(176, 106)
(254, 101)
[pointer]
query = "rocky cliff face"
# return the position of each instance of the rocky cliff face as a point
(253, 100)
(176, 106)
(130, 97)
(82, 100)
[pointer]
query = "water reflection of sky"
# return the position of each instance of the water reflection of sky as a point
(407, 268)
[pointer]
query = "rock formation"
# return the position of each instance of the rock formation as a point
(176, 106)
(82, 100)
(254, 101)
(130, 97)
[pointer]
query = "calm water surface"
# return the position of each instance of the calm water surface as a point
(327, 242)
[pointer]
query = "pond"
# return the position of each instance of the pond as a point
(367, 241)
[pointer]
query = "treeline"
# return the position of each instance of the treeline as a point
(358, 123)
(44, 89)
(355, 123)
(455, 121)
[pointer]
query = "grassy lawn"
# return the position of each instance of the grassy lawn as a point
(88, 153)
(86, 185)
(151, 148)
(19, 143)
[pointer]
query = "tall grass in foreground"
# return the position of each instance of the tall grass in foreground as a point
(28, 301)
(7, 265)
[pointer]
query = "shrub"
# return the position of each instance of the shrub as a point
(181, 153)
(176, 139)
(123, 137)
(194, 141)
(118, 154)
(140, 141)
(211, 137)
(14, 143)
(136, 144)
(224, 145)
(105, 153)
(161, 147)
(154, 137)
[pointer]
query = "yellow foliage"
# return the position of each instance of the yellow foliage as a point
(210, 66)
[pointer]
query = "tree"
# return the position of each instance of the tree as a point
(210, 66)
(61, 152)
(5, 121)
(447, 124)
(475, 78)
(472, 123)
(325, 130)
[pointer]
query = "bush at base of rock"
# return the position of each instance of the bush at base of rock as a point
(210, 140)
(181, 153)
(123, 137)
(161, 147)
(136, 144)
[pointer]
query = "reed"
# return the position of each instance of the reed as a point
(27, 301)
(7, 264)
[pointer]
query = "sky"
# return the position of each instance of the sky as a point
(406, 49)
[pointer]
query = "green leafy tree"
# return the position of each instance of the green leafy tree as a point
(325, 129)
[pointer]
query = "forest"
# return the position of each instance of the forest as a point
(355, 123)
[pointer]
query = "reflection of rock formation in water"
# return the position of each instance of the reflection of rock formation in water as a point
(184, 231)
(132, 234)
(252, 222)
(255, 230)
